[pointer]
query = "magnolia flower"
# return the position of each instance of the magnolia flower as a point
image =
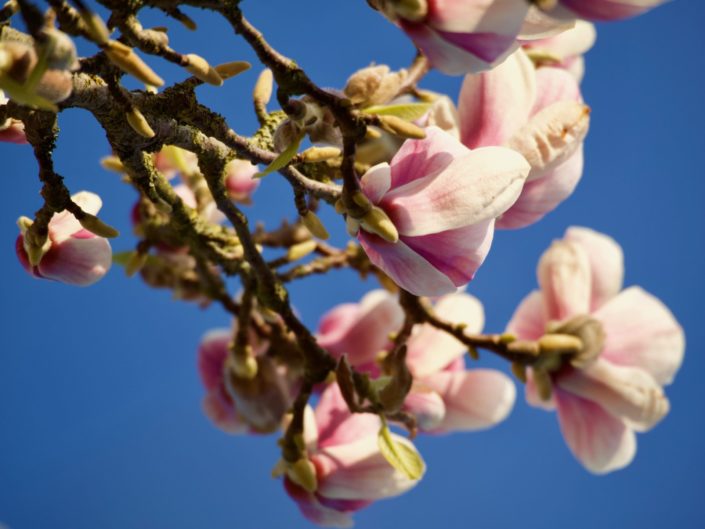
(240, 181)
(564, 50)
(540, 114)
(604, 10)
(71, 254)
(460, 36)
(444, 396)
(235, 404)
(350, 471)
(442, 200)
(12, 130)
(632, 346)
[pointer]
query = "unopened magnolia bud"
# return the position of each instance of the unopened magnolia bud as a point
(303, 473)
(560, 344)
(199, 68)
(112, 163)
(339, 207)
(320, 154)
(262, 92)
(378, 222)
(24, 223)
(136, 263)
(352, 226)
(139, 123)
(519, 371)
(55, 85)
(128, 61)
(301, 250)
(61, 50)
(314, 225)
(231, 69)
(95, 27)
(413, 10)
(361, 200)
(97, 226)
(245, 365)
(374, 85)
(543, 384)
(401, 128)
(185, 20)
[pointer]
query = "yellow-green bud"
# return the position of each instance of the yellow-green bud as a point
(139, 123)
(231, 69)
(303, 473)
(97, 226)
(378, 222)
(301, 250)
(199, 68)
(320, 154)
(262, 92)
(314, 225)
(128, 61)
(400, 127)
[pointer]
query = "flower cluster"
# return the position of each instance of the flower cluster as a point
(420, 182)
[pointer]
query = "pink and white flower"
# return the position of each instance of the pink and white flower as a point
(72, 254)
(637, 347)
(445, 396)
(460, 36)
(537, 112)
(235, 404)
(240, 181)
(351, 473)
(443, 199)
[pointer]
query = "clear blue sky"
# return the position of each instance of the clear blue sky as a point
(99, 396)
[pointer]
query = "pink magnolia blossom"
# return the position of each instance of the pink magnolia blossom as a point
(637, 347)
(461, 36)
(566, 49)
(72, 254)
(240, 181)
(351, 473)
(443, 199)
(445, 396)
(602, 10)
(237, 405)
(539, 113)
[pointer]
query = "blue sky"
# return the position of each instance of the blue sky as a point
(99, 396)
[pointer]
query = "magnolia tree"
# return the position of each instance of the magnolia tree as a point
(420, 181)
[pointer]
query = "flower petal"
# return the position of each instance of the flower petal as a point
(529, 319)
(218, 407)
(488, 16)
(456, 253)
(544, 194)
(63, 225)
(212, 352)
(601, 442)
(474, 399)
(376, 182)
(628, 393)
(476, 187)
(429, 349)
(419, 158)
(361, 330)
(358, 471)
(336, 425)
(609, 9)
(494, 105)
(606, 263)
(77, 261)
(405, 267)
(426, 406)
(458, 53)
(554, 85)
(313, 510)
(564, 276)
(643, 333)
